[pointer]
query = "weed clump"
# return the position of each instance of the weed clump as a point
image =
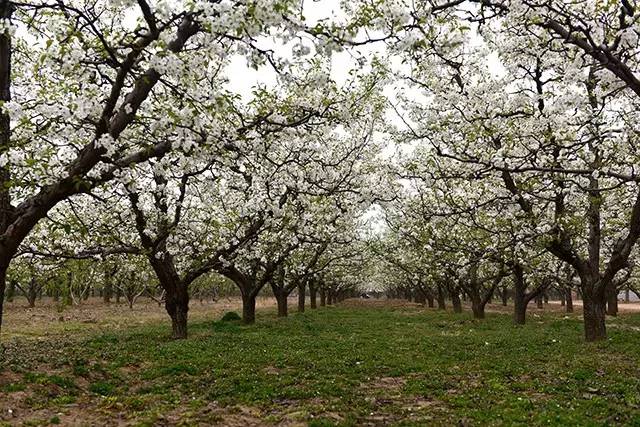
(231, 316)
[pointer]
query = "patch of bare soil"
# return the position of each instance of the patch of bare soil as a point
(51, 318)
(392, 405)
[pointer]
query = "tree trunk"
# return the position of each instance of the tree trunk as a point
(281, 300)
(441, 302)
(505, 296)
(107, 292)
(539, 301)
(594, 317)
(323, 297)
(248, 308)
(477, 307)
(11, 291)
(6, 10)
(519, 306)
(3, 285)
(569, 298)
(330, 297)
(520, 301)
(177, 305)
(454, 295)
(612, 300)
(302, 288)
(455, 302)
(626, 295)
(563, 298)
(430, 301)
(313, 295)
(32, 295)
(545, 297)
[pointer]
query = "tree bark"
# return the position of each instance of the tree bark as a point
(177, 306)
(107, 291)
(323, 297)
(441, 301)
(6, 10)
(539, 303)
(281, 300)
(32, 294)
(594, 317)
(519, 306)
(430, 302)
(612, 300)
(11, 291)
(520, 300)
(569, 300)
(302, 288)
(455, 301)
(313, 295)
(3, 284)
(505, 296)
(248, 308)
(330, 297)
(477, 308)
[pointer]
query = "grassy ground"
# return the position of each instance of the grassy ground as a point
(356, 364)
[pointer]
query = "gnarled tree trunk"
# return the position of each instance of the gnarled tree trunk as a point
(177, 306)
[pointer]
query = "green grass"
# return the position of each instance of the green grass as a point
(345, 366)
